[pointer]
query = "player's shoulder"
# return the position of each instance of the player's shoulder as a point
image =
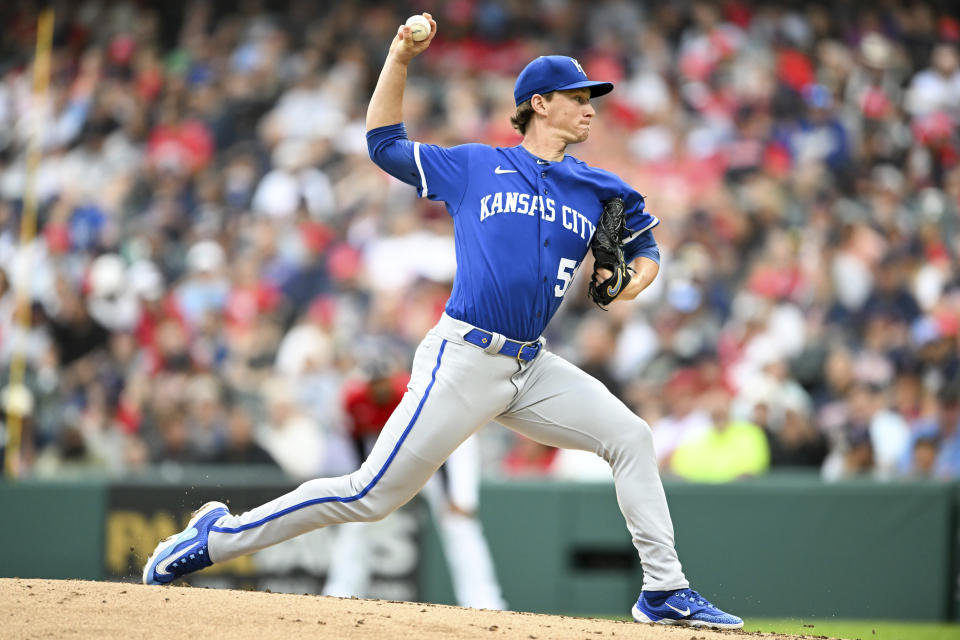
(466, 148)
(478, 154)
(467, 154)
(475, 147)
(602, 179)
(578, 165)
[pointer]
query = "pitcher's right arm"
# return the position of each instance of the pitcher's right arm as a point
(386, 103)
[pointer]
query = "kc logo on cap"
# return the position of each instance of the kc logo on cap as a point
(555, 73)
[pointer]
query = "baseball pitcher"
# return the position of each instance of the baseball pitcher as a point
(524, 219)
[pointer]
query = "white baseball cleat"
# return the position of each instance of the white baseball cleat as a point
(186, 551)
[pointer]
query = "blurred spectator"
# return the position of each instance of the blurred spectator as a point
(207, 416)
(291, 437)
(852, 458)
(796, 442)
(294, 183)
(171, 438)
(819, 136)
(597, 346)
(179, 143)
(934, 449)
(937, 88)
(239, 446)
(206, 286)
(923, 459)
(886, 432)
(687, 420)
(728, 450)
(891, 298)
(529, 458)
(75, 332)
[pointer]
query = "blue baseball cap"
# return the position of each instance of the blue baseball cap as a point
(555, 73)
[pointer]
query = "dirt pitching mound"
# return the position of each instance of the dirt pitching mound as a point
(107, 610)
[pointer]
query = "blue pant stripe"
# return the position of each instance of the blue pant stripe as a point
(366, 489)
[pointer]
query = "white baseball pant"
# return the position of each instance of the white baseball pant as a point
(455, 389)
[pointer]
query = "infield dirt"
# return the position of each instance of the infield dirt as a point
(108, 610)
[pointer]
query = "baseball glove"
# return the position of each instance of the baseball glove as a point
(607, 247)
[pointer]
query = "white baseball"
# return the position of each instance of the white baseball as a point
(419, 27)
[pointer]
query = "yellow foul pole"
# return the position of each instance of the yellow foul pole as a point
(28, 229)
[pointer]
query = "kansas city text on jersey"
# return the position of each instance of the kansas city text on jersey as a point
(530, 204)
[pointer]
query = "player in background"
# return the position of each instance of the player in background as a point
(524, 218)
(452, 495)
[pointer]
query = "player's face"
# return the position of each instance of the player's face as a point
(570, 114)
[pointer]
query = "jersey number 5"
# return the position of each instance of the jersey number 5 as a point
(565, 273)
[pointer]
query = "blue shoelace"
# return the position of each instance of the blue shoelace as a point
(695, 597)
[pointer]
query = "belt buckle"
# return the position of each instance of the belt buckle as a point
(524, 345)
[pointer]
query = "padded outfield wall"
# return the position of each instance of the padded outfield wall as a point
(770, 547)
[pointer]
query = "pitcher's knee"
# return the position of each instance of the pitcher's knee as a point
(644, 433)
(373, 510)
(636, 435)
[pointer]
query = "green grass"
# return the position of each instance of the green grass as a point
(857, 629)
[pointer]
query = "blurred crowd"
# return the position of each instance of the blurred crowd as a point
(216, 255)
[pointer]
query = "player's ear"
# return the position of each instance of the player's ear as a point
(539, 104)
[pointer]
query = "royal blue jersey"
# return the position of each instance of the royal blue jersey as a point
(522, 225)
